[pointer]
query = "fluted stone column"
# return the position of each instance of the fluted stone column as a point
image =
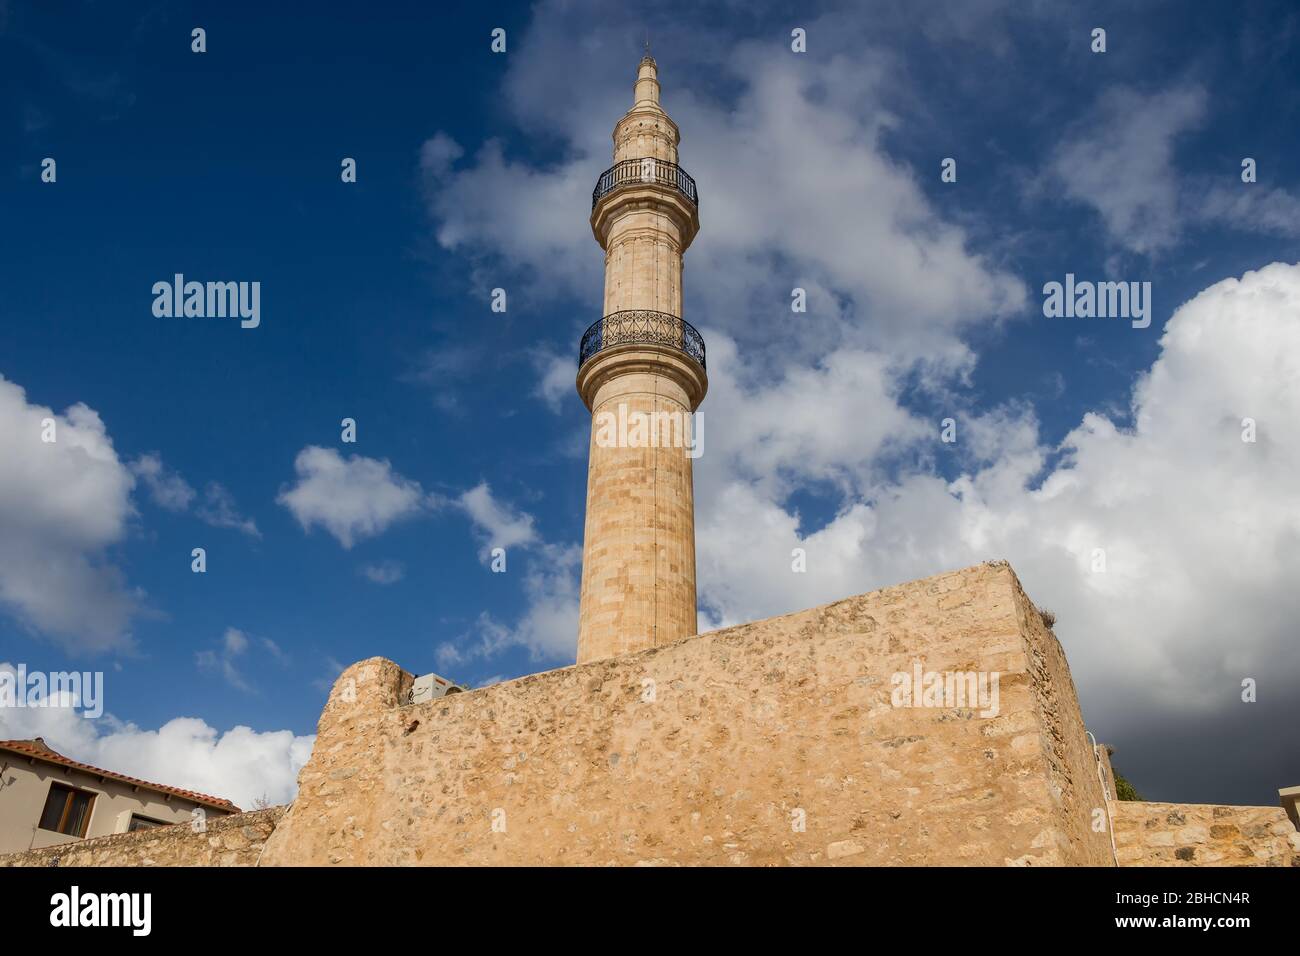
(638, 568)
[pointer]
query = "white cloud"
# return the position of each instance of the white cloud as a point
(472, 207)
(351, 498)
(166, 487)
(219, 510)
(811, 397)
(169, 490)
(385, 572)
(829, 421)
(497, 524)
(848, 223)
(799, 187)
(548, 627)
(234, 641)
(240, 764)
(556, 374)
(1251, 207)
(438, 154)
(62, 504)
(224, 659)
(1119, 160)
(1198, 527)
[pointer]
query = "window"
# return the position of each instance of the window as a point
(143, 823)
(67, 810)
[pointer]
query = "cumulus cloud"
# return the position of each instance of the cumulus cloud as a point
(819, 401)
(808, 399)
(1199, 529)
(497, 524)
(241, 764)
(849, 223)
(799, 188)
(830, 421)
(62, 504)
(351, 498)
(1199, 532)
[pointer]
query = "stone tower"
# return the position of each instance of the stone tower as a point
(641, 374)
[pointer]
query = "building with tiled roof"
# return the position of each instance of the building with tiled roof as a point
(47, 799)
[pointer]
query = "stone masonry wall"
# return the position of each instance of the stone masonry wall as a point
(1075, 781)
(1194, 834)
(772, 743)
(234, 840)
(1107, 771)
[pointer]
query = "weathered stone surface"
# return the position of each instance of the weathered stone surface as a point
(1192, 834)
(235, 840)
(772, 743)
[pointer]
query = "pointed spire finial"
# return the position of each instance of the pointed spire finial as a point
(647, 77)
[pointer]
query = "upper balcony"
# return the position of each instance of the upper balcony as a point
(642, 172)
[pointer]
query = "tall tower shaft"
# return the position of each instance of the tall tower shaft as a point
(641, 374)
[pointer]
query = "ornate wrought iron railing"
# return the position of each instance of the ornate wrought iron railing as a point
(632, 172)
(637, 326)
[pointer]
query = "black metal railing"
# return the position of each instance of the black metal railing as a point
(634, 172)
(641, 326)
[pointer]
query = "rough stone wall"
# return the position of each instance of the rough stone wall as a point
(234, 840)
(1075, 781)
(1108, 772)
(772, 743)
(1195, 834)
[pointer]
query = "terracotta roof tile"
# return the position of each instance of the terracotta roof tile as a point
(37, 748)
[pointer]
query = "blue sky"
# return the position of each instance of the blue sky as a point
(817, 170)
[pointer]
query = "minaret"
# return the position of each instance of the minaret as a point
(641, 363)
